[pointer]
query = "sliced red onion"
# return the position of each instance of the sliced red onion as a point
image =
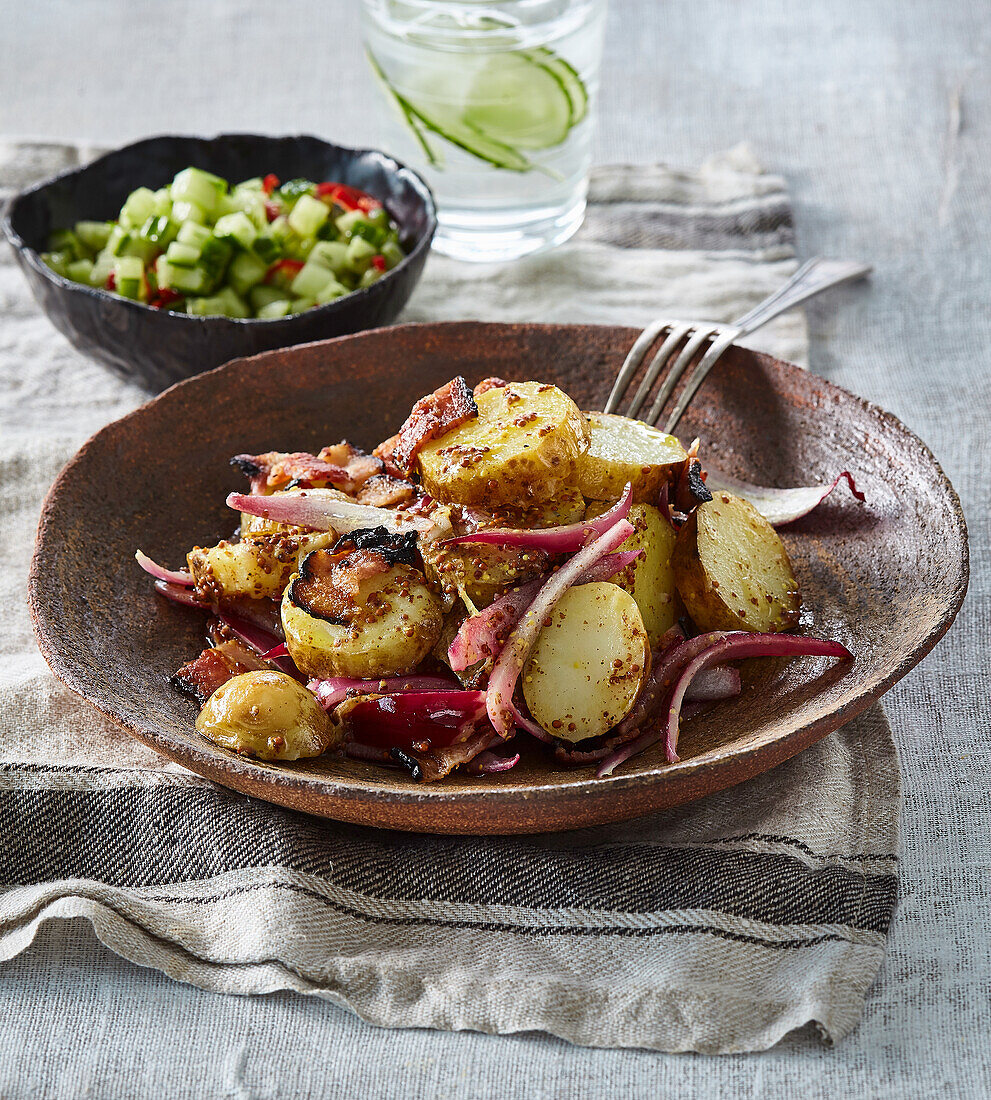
(513, 656)
(713, 685)
(281, 650)
(488, 763)
(178, 593)
(170, 576)
(336, 689)
(727, 646)
(553, 540)
(327, 510)
(779, 506)
(478, 637)
(733, 648)
(409, 720)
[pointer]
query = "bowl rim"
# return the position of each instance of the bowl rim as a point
(393, 806)
(32, 257)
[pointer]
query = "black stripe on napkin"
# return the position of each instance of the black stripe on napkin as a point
(148, 836)
(644, 225)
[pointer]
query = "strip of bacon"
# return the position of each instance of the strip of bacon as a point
(214, 667)
(341, 466)
(435, 763)
(386, 491)
(432, 416)
(487, 384)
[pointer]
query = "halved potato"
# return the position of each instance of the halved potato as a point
(650, 579)
(256, 567)
(519, 450)
(385, 628)
(622, 450)
(732, 570)
(589, 663)
(269, 715)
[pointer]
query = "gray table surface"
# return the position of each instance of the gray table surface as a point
(880, 116)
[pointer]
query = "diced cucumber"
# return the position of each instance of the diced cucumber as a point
(66, 242)
(186, 211)
(236, 228)
(182, 255)
(163, 202)
(279, 307)
(117, 239)
(346, 222)
(331, 254)
(245, 272)
(308, 215)
(215, 257)
(393, 254)
(138, 208)
(160, 229)
(262, 295)
(94, 235)
(102, 268)
(312, 279)
(223, 304)
(193, 185)
(359, 255)
(301, 305)
(291, 190)
(196, 235)
(187, 280)
(136, 245)
(267, 249)
(253, 184)
(280, 229)
(372, 275)
(331, 291)
(129, 277)
(58, 262)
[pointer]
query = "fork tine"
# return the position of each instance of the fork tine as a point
(633, 360)
(678, 368)
(667, 349)
(698, 376)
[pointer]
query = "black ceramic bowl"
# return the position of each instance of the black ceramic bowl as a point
(156, 348)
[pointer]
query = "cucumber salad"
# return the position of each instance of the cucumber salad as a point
(259, 249)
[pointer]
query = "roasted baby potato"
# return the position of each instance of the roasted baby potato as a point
(589, 663)
(622, 450)
(732, 570)
(650, 579)
(380, 625)
(256, 567)
(520, 449)
(269, 715)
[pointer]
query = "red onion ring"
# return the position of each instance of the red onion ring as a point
(170, 576)
(513, 656)
(326, 510)
(553, 540)
(336, 689)
(779, 506)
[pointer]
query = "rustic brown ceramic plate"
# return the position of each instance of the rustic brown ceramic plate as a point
(886, 578)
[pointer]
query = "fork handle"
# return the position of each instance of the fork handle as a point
(810, 279)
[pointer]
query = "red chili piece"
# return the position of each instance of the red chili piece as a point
(350, 198)
(111, 281)
(269, 184)
(290, 267)
(378, 262)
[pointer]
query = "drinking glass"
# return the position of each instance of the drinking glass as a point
(492, 102)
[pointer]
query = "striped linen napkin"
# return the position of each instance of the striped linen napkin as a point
(717, 927)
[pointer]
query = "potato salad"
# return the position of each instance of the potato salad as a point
(507, 576)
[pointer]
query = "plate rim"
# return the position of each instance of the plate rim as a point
(289, 788)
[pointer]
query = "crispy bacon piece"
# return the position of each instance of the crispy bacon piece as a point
(386, 491)
(432, 416)
(214, 667)
(341, 467)
(435, 763)
(385, 451)
(689, 485)
(487, 384)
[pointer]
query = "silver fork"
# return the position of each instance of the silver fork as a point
(684, 341)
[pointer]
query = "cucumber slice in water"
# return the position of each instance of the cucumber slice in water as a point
(567, 74)
(515, 100)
